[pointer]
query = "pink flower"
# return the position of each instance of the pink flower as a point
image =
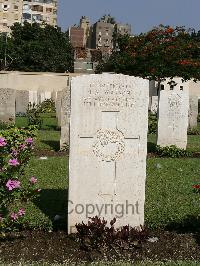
(22, 146)
(2, 142)
(14, 152)
(12, 184)
(21, 212)
(33, 180)
(14, 216)
(29, 141)
(13, 162)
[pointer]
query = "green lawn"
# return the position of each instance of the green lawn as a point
(53, 180)
(49, 121)
(170, 200)
(193, 142)
(48, 140)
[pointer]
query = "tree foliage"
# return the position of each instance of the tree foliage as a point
(159, 53)
(36, 48)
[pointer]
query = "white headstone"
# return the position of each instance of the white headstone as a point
(7, 105)
(65, 118)
(58, 107)
(173, 115)
(154, 104)
(108, 148)
(33, 97)
(43, 95)
(21, 101)
(193, 111)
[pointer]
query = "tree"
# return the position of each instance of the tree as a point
(38, 48)
(162, 52)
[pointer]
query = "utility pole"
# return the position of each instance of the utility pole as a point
(5, 52)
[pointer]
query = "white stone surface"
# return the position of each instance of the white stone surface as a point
(154, 104)
(43, 95)
(21, 101)
(7, 105)
(65, 118)
(58, 107)
(173, 114)
(108, 148)
(33, 97)
(193, 111)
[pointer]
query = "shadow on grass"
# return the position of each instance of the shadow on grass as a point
(54, 144)
(50, 127)
(151, 147)
(53, 202)
(189, 225)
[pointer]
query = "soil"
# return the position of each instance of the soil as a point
(58, 247)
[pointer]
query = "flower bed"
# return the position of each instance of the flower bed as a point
(16, 147)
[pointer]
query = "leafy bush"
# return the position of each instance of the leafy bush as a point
(152, 123)
(16, 147)
(47, 106)
(33, 115)
(172, 152)
(198, 117)
(96, 234)
(20, 114)
(35, 112)
(194, 131)
(3, 125)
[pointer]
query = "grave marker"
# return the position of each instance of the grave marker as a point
(173, 114)
(108, 147)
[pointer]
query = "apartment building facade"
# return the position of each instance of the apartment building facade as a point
(10, 13)
(39, 11)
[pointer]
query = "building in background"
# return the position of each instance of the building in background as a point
(76, 37)
(86, 26)
(102, 34)
(39, 11)
(10, 13)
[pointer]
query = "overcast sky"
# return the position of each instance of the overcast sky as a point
(141, 14)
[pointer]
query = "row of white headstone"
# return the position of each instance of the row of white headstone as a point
(108, 127)
(108, 144)
(14, 102)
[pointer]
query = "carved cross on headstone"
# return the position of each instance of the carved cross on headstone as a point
(108, 145)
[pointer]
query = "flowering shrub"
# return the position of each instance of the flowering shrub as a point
(16, 146)
(160, 53)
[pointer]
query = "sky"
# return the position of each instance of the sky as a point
(143, 15)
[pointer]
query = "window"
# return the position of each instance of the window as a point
(5, 7)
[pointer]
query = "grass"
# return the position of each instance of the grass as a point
(193, 144)
(49, 136)
(48, 140)
(52, 200)
(170, 200)
(49, 121)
